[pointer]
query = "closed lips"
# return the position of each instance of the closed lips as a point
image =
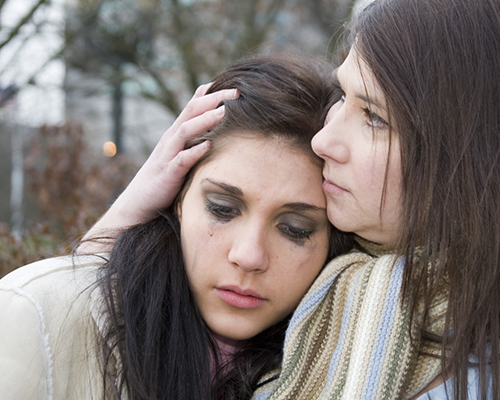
(237, 297)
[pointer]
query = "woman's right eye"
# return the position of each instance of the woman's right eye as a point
(338, 93)
(374, 120)
(294, 233)
(221, 211)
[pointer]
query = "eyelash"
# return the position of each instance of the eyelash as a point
(296, 234)
(223, 213)
(374, 120)
(226, 214)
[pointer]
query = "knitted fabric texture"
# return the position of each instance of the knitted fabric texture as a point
(350, 336)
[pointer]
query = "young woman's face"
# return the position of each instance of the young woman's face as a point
(355, 145)
(254, 234)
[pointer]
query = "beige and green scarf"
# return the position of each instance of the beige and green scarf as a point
(350, 336)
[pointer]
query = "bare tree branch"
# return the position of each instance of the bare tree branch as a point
(167, 98)
(31, 79)
(185, 45)
(330, 17)
(2, 2)
(21, 23)
(191, 40)
(255, 33)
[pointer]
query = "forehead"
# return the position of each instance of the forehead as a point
(264, 167)
(249, 154)
(356, 76)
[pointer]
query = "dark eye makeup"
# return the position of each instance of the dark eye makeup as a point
(223, 210)
(295, 233)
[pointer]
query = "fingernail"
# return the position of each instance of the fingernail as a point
(232, 94)
(220, 111)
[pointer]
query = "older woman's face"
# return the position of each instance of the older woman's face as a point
(254, 234)
(360, 156)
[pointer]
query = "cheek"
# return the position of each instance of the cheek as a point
(394, 196)
(205, 247)
(295, 287)
(394, 179)
(395, 174)
(197, 244)
(371, 173)
(298, 273)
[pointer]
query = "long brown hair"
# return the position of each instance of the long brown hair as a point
(438, 64)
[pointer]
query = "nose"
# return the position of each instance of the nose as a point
(330, 142)
(249, 249)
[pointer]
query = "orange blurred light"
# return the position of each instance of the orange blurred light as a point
(109, 149)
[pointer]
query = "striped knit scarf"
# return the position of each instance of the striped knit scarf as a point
(350, 336)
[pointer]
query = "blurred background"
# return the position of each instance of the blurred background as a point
(87, 87)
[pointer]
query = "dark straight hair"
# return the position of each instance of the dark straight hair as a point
(163, 347)
(438, 65)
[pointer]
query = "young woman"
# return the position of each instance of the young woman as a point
(194, 303)
(412, 165)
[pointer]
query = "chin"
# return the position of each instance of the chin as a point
(236, 334)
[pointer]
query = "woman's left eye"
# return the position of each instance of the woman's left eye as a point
(221, 211)
(374, 120)
(294, 233)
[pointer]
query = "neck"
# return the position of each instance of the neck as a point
(226, 347)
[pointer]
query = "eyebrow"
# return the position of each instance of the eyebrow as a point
(228, 188)
(234, 190)
(303, 207)
(361, 96)
(370, 100)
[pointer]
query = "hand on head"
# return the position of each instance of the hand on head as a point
(159, 180)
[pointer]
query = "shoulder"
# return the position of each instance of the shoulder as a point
(48, 292)
(357, 261)
(446, 390)
(67, 268)
(45, 319)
